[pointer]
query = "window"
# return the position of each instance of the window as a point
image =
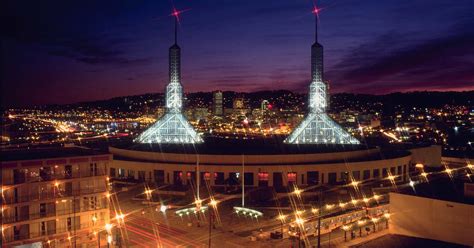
(344, 176)
(43, 228)
(19, 176)
(131, 174)
(291, 177)
(248, 176)
(263, 176)
(69, 224)
(376, 173)
(219, 178)
(45, 173)
(332, 178)
(93, 169)
(313, 177)
(121, 172)
(68, 171)
(141, 176)
(366, 175)
(356, 175)
(399, 168)
(159, 176)
(384, 172)
(112, 172)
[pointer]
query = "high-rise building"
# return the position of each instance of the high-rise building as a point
(317, 127)
(217, 103)
(54, 197)
(173, 127)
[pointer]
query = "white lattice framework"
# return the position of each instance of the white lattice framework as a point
(172, 127)
(317, 127)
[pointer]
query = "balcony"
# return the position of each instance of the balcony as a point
(49, 214)
(23, 177)
(48, 195)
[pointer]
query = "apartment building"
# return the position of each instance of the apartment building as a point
(54, 197)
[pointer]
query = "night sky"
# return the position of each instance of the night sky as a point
(70, 51)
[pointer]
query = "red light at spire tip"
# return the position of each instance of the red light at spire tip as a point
(316, 10)
(176, 13)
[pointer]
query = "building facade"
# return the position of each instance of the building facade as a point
(217, 103)
(57, 197)
(277, 171)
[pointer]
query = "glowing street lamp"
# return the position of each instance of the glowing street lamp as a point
(108, 227)
(297, 192)
(345, 228)
(299, 221)
(163, 208)
(282, 218)
(213, 203)
(355, 183)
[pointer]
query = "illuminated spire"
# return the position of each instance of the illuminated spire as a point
(173, 127)
(317, 127)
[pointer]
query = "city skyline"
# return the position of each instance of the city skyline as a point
(121, 51)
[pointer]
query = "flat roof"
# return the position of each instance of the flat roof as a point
(441, 187)
(258, 146)
(46, 153)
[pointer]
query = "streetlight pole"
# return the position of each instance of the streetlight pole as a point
(320, 214)
(210, 227)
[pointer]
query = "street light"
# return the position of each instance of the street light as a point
(300, 223)
(282, 218)
(297, 192)
(213, 203)
(355, 183)
(345, 228)
(163, 208)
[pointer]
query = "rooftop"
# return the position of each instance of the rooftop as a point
(442, 187)
(259, 146)
(396, 241)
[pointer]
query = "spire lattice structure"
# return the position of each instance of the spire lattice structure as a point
(173, 127)
(317, 127)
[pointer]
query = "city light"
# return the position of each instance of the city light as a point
(297, 192)
(355, 183)
(299, 221)
(330, 206)
(108, 227)
(213, 203)
(109, 239)
(281, 217)
(419, 166)
(163, 208)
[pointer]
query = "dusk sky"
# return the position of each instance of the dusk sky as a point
(70, 51)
